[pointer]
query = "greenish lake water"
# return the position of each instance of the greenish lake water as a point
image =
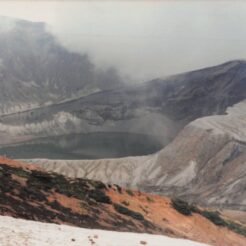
(85, 146)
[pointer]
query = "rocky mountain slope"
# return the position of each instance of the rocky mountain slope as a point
(32, 194)
(35, 70)
(205, 163)
(160, 108)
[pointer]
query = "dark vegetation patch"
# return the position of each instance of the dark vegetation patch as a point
(182, 206)
(126, 203)
(149, 199)
(129, 192)
(123, 210)
(36, 200)
(144, 209)
(99, 196)
(214, 216)
(119, 189)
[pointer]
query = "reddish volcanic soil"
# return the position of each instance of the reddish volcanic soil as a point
(159, 211)
(33, 194)
(14, 163)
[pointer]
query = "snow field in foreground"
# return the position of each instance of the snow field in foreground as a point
(18, 232)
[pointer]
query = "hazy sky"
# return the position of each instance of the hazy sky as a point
(144, 39)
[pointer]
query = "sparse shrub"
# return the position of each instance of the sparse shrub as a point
(214, 217)
(149, 199)
(21, 173)
(123, 210)
(236, 228)
(99, 196)
(129, 192)
(99, 185)
(42, 177)
(182, 206)
(17, 171)
(41, 180)
(119, 189)
(145, 210)
(57, 206)
(195, 209)
(126, 203)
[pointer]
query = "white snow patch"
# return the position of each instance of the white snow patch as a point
(16, 232)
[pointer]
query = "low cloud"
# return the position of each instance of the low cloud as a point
(144, 39)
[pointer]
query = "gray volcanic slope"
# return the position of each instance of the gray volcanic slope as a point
(35, 70)
(160, 108)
